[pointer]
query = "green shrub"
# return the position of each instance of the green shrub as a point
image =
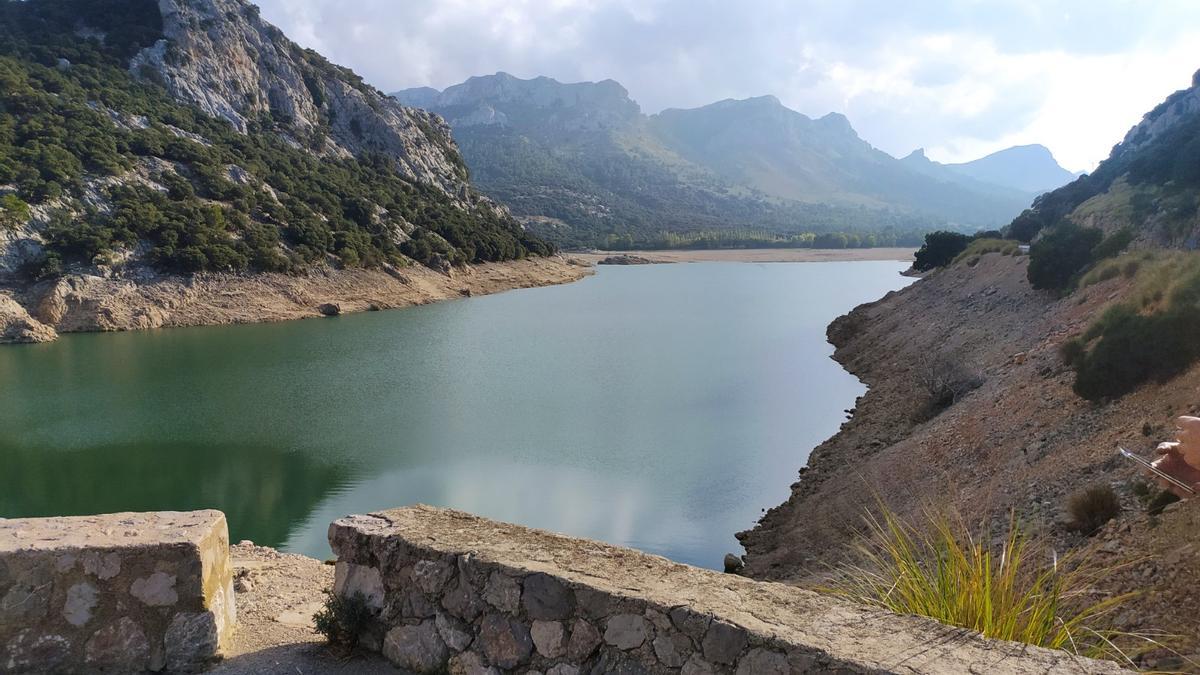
(13, 211)
(1060, 254)
(1113, 244)
(1091, 508)
(1159, 501)
(343, 619)
(939, 250)
(1151, 336)
(1072, 351)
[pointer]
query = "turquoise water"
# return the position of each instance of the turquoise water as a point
(660, 407)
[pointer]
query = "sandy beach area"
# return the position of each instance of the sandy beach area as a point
(759, 255)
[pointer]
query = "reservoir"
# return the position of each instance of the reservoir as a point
(660, 407)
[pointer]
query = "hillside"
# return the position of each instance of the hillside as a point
(144, 141)
(582, 163)
(1150, 184)
(1048, 383)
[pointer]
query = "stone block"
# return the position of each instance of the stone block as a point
(126, 592)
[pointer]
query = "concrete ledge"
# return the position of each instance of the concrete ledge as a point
(127, 592)
(485, 597)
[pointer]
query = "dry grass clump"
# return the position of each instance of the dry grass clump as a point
(980, 247)
(1013, 590)
(1091, 508)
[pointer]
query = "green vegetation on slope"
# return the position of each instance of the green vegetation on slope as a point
(1150, 336)
(1168, 162)
(943, 248)
(232, 202)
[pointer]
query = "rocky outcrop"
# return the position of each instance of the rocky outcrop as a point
(1180, 106)
(17, 326)
(121, 593)
(222, 57)
(450, 590)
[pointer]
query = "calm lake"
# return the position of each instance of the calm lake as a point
(660, 407)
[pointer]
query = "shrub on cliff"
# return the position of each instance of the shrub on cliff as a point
(939, 250)
(1133, 348)
(1060, 254)
(1151, 336)
(13, 211)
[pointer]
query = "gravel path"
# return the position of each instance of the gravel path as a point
(277, 596)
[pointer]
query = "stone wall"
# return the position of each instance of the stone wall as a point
(116, 593)
(451, 589)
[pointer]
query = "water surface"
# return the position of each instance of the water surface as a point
(660, 407)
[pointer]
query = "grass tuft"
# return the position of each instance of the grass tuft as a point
(1092, 508)
(1013, 591)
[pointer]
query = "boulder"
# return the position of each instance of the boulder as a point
(416, 648)
(17, 326)
(329, 309)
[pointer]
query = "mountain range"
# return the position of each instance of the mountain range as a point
(582, 163)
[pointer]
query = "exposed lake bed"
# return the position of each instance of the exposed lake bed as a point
(659, 407)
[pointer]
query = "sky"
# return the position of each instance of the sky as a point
(960, 78)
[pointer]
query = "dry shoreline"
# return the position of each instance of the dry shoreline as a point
(83, 303)
(759, 255)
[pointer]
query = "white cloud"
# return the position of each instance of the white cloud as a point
(959, 77)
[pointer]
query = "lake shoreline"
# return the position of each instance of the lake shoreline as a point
(757, 255)
(86, 303)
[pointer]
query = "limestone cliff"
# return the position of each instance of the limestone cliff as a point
(222, 57)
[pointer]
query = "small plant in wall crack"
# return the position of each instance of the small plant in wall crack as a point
(342, 620)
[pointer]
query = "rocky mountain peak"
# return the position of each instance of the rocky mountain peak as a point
(838, 123)
(492, 100)
(1178, 107)
(222, 57)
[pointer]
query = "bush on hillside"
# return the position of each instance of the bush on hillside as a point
(1113, 245)
(1060, 254)
(940, 249)
(1090, 509)
(1150, 335)
(1131, 349)
(13, 211)
(942, 381)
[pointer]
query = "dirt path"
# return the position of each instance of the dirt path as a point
(277, 594)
